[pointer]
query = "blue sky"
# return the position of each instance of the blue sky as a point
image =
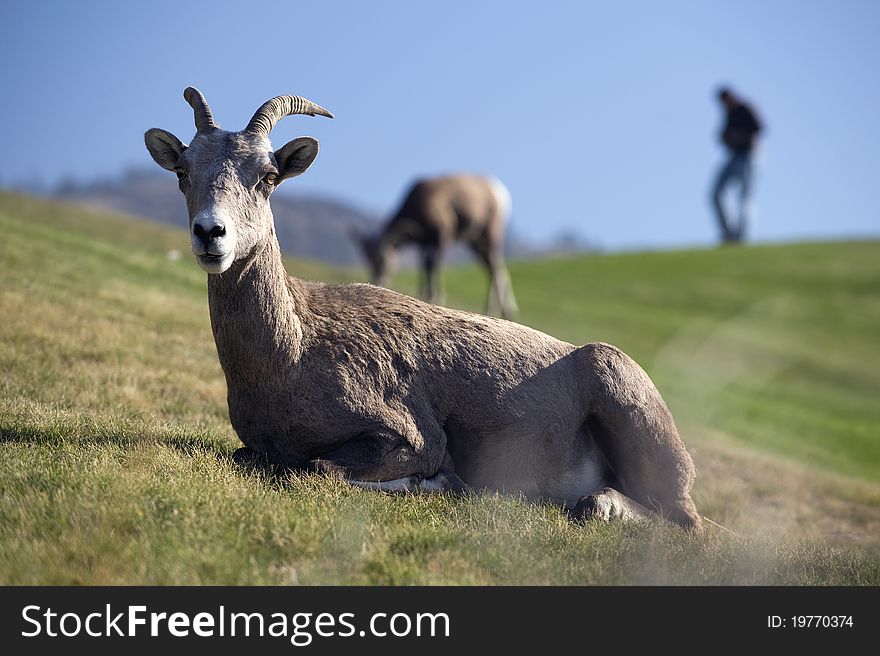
(599, 116)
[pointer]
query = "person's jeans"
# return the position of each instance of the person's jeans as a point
(738, 168)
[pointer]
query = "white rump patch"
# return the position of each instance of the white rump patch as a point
(503, 196)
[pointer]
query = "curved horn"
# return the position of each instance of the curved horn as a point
(204, 120)
(274, 110)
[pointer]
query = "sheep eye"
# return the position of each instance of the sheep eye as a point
(270, 178)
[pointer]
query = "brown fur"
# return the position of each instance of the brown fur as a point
(386, 389)
(435, 213)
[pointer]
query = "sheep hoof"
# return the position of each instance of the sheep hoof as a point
(607, 504)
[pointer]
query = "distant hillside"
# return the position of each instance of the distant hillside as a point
(311, 226)
(308, 226)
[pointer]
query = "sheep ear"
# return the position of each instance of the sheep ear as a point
(295, 157)
(164, 147)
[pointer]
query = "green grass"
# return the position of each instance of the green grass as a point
(115, 441)
(775, 346)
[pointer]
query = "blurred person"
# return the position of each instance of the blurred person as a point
(741, 128)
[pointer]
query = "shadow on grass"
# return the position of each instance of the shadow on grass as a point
(242, 460)
(86, 433)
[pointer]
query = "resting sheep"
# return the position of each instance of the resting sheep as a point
(393, 393)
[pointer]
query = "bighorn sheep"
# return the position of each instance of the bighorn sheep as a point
(393, 393)
(438, 211)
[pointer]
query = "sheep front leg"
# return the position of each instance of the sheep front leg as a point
(389, 463)
(439, 482)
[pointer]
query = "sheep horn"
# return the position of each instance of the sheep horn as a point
(274, 110)
(204, 119)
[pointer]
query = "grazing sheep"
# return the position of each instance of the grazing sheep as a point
(393, 393)
(438, 211)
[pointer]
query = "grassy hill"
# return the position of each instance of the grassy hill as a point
(115, 441)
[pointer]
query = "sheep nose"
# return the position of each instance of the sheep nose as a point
(213, 232)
